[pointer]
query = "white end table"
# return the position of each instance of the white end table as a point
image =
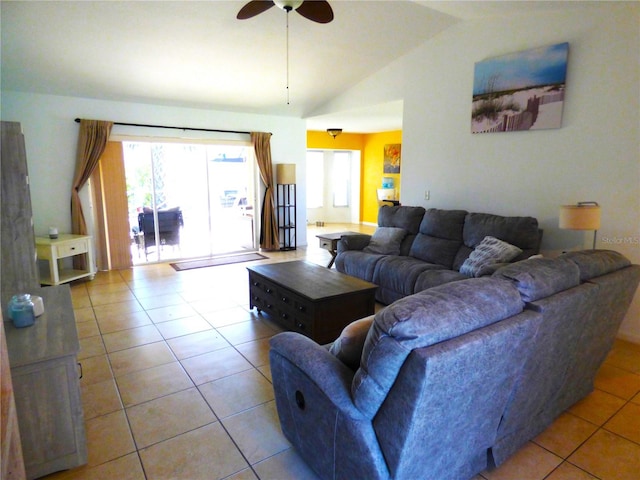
(66, 245)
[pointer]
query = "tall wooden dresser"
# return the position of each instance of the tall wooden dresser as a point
(42, 357)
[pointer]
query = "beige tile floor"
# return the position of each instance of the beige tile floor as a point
(177, 385)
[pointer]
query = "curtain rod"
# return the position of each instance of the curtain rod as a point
(77, 120)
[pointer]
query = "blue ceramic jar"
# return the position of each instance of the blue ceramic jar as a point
(21, 310)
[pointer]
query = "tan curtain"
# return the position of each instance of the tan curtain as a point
(92, 141)
(268, 225)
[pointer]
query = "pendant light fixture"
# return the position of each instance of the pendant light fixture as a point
(334, 132)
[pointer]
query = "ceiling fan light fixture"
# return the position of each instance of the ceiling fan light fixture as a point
(288, 5)
(334, 132)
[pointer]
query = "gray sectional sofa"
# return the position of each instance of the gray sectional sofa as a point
(452, 380)
(414, 249)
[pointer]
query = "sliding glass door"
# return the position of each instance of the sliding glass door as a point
(188, 200)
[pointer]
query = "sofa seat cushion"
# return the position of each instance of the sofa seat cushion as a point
(540, 277)
(433, 278)
(490, 251)
(348, 346)
(386, 241)
(594, 263)
(399, 273)
(424, 319)
(440, 236)
(358, 263)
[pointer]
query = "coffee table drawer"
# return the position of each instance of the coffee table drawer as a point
(296, 311)
(303, 325)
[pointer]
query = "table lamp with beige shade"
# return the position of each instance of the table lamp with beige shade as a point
(582, 216)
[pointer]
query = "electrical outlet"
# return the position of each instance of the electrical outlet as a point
(427, 194)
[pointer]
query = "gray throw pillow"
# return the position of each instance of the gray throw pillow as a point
(386, 241)
(490, 250)
(348, 347)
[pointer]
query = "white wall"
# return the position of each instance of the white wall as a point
(51, 137)
(594, 156)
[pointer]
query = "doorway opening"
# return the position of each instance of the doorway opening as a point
(333, 186)
(189, 200)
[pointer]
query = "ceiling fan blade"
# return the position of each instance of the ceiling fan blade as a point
(316, 10)
(254, 8)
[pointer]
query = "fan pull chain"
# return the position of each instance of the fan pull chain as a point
(288, 55)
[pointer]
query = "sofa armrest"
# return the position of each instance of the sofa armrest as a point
(312, 390)
(353, 242)
(321, 367)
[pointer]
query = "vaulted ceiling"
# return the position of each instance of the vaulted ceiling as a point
(197, 54)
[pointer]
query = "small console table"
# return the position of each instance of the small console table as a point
(66, 245)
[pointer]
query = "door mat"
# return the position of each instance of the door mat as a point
(215, 261)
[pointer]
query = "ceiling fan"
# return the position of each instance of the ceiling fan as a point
(315, 10)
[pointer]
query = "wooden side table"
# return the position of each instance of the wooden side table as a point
(329, 241)
(66, 245)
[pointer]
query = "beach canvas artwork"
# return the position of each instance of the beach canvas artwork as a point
(520, 91)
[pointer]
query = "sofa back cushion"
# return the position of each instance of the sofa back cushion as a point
(386, 241)
(594, 263)
(522, 232)
(440, 236)
(551, 287)
(443, 401)
(541, 277)
(598, 331)
(424, 319)
(405, 217)
(532, 406)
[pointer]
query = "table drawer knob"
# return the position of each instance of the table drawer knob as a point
(300, 325)
(268, 290)
(284, 315)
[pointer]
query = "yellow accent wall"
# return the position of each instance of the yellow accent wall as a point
(371, 147)
(372, 172)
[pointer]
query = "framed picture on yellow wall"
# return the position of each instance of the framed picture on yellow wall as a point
(392, 158)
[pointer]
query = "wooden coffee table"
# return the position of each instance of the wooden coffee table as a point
(310, 299)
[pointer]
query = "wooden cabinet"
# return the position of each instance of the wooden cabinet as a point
(286, 214)
(45, 374)
(42, 357)
(18, 270)
(65, 246)
(12, 465)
